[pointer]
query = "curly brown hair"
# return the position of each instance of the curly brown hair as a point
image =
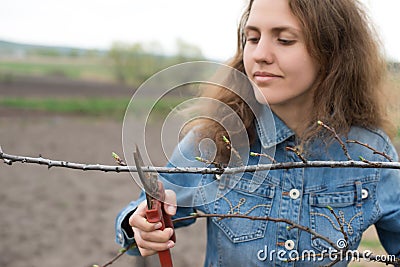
(339, 36)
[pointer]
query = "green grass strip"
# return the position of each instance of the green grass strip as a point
(88, 106)
(70, 70)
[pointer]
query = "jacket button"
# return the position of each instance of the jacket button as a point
(289, 244)
(294, 194)
(364, 193)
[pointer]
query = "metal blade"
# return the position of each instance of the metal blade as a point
(143, 177)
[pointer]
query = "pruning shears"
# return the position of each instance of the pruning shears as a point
(155, 195)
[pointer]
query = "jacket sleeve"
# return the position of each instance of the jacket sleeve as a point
(388, 196)
(123, 232)
(183, 184)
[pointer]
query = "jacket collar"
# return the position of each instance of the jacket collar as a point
(271, 130)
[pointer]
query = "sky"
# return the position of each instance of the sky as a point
(97, 24)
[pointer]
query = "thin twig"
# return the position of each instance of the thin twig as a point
(266, 218)
(5, 160)
(332, 130)
(297, 152)
(371, 148)
(209, 162)
(121, 252)
(343, 255)
(346, 238)
(332, 263)
(388, 260)
(254, 154)
(229, 146)
(118, 160)
(375, 164)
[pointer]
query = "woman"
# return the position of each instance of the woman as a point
(309, 61)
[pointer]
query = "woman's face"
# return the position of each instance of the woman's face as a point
(276, 58)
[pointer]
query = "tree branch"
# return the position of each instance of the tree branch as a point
(121, 252)
(10, 159)
(338, 255)
(297, 152)
(254, 154)
(371, 148)
(337, 137)
(346, 238)
(256, 218)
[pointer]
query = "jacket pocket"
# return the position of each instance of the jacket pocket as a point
(348, 211)
(236, 198)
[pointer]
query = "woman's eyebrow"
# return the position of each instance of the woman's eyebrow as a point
(287, 29)
(251, 28)
(275, 29)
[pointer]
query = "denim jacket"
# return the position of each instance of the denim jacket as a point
(359, 198)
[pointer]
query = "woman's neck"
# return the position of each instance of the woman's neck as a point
(296, 118)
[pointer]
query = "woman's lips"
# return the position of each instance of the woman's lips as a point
(264, 77)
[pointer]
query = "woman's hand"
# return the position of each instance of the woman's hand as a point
(148, 237)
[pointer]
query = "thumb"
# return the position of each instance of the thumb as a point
(170, 202)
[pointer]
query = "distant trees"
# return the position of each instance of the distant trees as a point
(127, 63)
(132, 64)
(394, 66)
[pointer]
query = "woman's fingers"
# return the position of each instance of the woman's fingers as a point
(146, 252)
(148, 231)
(170, 202)
(160, 236)
(138, 219)
(155, 241)
(148, 236)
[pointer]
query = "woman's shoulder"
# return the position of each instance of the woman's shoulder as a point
(368, 133)
(191, 146)
(372, 139)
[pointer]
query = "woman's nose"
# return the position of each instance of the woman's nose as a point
(264, 52)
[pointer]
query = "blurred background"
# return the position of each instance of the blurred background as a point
(67, 72)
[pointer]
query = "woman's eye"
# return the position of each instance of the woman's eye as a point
(285, 41)
(252, 39)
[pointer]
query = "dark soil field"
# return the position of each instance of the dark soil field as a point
(63, 217)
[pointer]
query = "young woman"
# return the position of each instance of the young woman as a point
(309, 61)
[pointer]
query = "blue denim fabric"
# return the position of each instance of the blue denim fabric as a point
(359, 197)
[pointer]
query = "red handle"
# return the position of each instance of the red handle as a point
(157, 214)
